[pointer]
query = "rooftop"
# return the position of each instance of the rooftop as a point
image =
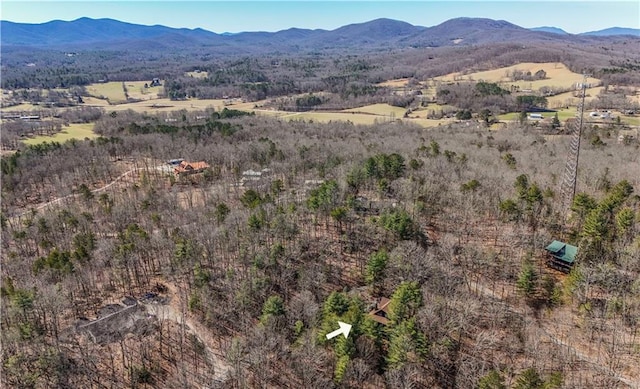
(562, 251)
(381, 311)
(192, 167)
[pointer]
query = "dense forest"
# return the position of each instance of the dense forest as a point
(448, 223)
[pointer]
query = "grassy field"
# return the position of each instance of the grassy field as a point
(558, 75)
(398, 83)
(325, 117)
(95, 101)
(167, 105)
(111, 91)
(563, 114)
(136, 90)
(380, 110)
(565, 99)
(74, 131)
(631, 120)
(363, 115)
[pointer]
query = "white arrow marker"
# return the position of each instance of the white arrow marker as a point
(344, 329)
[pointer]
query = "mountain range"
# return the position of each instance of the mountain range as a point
(104, 34)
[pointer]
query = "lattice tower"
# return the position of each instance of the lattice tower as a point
(569, 180)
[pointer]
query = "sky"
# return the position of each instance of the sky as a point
(572, 16)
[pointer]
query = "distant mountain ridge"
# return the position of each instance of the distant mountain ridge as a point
(553, 30)
(87, 33)
(614, 31)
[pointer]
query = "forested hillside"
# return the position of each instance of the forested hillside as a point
(182, 209)
(118, 272)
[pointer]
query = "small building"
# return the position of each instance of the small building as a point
(187, 168)
(536, 116)
(561, 256)
(381, 311)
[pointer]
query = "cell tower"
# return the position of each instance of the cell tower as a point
(571, 168)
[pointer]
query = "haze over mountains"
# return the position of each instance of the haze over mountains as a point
(104, 34)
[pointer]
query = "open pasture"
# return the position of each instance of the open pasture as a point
(397, 83)
(379, 109)
(571, 99)
(111, 91)
(167, 105)
(558, 75)
(326, 117)
(136, 90)
(563, 114)
(73, 131)
(94, 101)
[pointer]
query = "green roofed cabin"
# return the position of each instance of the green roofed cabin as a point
(561, 255)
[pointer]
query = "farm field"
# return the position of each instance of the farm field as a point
(167, 105)
(631, 120)
(136, 90)
(558, 75)
(568, 98)
(326, 117)
(397, 83)
(111, 91)
(379, 109)
(73, 131)
(94, 101)
(563, 114)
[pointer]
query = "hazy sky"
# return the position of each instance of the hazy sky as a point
(235, 16)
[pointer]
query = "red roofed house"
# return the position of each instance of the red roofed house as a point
(186, 168)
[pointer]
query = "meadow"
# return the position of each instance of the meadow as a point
(569, 98)
(380, 110)
(73, 131)
(397, 83)
(111, 91)
(326, 117)
(558, 76)
(136, 90)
